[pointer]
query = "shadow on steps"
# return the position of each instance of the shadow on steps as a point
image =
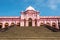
(46, 26)
(52, 28)
(5, 29)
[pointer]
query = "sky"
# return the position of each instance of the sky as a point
(14, 7)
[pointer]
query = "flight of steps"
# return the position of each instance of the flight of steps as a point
(37, 29)
(29, 32)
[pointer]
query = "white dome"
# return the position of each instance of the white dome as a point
(30, 8)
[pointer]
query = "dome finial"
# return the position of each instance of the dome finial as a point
(30, 8)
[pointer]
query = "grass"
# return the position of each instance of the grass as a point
(29, 32)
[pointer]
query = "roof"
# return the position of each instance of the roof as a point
(9, 16)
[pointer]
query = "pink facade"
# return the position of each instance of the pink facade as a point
(31, 17)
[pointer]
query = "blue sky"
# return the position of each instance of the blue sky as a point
(14, 7)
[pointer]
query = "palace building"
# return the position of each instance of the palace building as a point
(30, 17)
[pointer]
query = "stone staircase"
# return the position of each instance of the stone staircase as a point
(32, 33)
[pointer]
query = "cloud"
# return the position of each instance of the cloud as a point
(53, 4)
(54, 7)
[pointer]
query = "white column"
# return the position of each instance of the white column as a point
(38, 23)
(57, 25)
(22, 23)
(51, 23)
(33, 23)
(45, 22)
(3, 26)
(9, 23)
(26, 23)
(38, 16)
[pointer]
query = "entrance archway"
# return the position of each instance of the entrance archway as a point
(1, 25)
(30, 22)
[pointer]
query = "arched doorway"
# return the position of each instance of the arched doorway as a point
(30, 22)
(59, 24)
(18, 24)
(48, 24)
(1, 25)
(12, 24)
(35, 22)
(6, 24)
(41, 24)
(53, 24)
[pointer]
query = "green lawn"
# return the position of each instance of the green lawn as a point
(29, 33)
